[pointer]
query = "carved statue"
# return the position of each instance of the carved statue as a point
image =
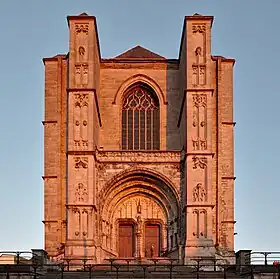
(139, 224)
(152, 250)
(139, 207)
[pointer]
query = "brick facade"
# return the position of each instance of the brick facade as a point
(92, 185)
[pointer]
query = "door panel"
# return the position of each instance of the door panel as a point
(152, 240)
(126, 240)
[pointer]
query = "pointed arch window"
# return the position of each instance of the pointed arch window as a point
(140, 119)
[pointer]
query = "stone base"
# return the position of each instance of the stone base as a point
(205, 253)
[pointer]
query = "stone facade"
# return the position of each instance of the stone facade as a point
(176, 192)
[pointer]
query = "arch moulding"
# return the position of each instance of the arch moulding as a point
(131, 173)
(139, 78)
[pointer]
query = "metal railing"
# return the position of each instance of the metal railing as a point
(32, 264)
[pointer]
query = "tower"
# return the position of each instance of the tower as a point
(138, 149)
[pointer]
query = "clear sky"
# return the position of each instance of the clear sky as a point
(247, 30)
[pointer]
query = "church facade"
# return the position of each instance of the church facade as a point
(139, 153)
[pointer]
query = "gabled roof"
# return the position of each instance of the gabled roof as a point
(139, 52)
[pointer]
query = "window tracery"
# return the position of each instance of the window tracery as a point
(140, 119)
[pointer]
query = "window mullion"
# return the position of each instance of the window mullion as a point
(127, 129)
(139, 129)
(152, 129)
(133, 129)
(145, 130)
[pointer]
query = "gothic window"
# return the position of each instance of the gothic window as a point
(140, 119)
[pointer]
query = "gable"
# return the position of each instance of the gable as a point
(139, 52)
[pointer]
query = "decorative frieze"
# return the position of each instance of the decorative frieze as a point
(138, 156)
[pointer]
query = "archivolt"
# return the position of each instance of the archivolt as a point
(139, 78)
(143, 182)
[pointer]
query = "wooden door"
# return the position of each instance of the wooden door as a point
(152, 240)
(126, 240)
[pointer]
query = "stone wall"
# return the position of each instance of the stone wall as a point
(186, 187)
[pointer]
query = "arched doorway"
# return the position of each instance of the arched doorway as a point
(138, 206)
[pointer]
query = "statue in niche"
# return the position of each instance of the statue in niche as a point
(152, 250)
(139, 207)
(139, 224)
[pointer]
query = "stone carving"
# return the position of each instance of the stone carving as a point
(195, 119)
(139, 207)
(77, 220)
(149, 209)
(195, 71)
(199, 193)
(85, 142)
(81, 74)
(199, 100)
(81, 193)
(85, 74)
(202, 79)
(139, 225)
(102, 166)
(198, 51)
(85, 221)
(79, 143)
(200, 223)
(203, 223)
(200, 162)
(80, 130)
(201, 70)
(81, 100)
(199, 28)
(82, 28)
(203, 144)
(81, 162)
(199, 145)
(199, 66)
(106, 229)
(82, 51)
(200, 121)
(137, 157)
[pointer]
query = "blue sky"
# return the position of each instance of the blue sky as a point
(245, 30)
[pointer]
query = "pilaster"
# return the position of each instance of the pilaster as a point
(199, 101)
(83, 133)
(225, 152)
(54, 153)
